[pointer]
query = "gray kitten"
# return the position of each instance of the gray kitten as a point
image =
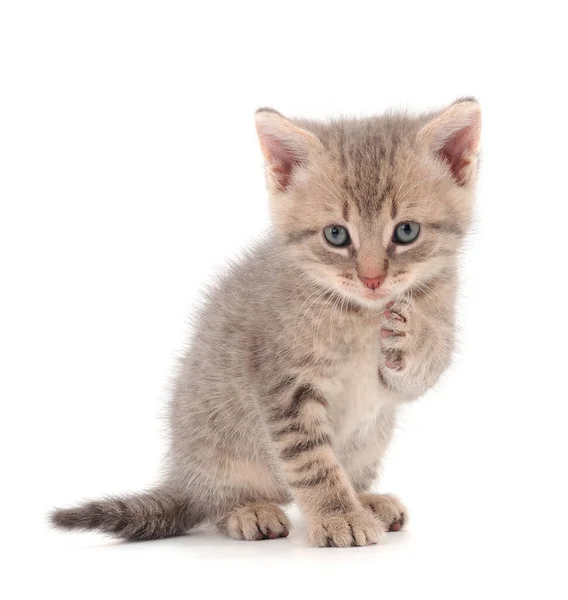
(305, 350)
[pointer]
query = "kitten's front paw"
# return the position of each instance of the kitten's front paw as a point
(343, 530)
(389, 509)
(256, 521)
(395, 336)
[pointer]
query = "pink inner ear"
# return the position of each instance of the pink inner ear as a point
(458, 149)
(283, 159)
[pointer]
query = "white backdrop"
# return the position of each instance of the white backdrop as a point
(129, 173)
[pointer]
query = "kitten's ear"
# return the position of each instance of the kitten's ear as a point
(285, 146)
(454, 137)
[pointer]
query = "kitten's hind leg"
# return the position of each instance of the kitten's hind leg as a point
(388, 508)
(255, 521)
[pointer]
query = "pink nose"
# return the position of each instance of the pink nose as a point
(372, 282)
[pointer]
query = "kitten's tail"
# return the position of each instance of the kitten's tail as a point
(147, 516)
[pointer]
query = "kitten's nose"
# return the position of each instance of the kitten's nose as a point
(372, 282)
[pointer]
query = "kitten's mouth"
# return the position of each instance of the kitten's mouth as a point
(374, 295)
(371, 299)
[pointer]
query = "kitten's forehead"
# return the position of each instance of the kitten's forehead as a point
(372, 157)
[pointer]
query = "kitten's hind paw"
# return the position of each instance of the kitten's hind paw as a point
(256, 521)
(388, 509)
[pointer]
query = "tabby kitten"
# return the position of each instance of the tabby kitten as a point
(305, 350)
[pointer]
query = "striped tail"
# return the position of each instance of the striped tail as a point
(146, 516)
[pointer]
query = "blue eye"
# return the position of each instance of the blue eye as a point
(337, 235)
(406, 233)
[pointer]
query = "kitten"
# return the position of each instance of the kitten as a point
(305, 350)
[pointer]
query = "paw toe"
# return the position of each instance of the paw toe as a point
(396, 526)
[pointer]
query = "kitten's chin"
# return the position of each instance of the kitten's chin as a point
(374, 301)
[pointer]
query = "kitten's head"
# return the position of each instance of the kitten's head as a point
(372, 207)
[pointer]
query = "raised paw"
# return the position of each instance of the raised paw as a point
(256, 521)
(387, 508)
(343, 530)
(395, 335)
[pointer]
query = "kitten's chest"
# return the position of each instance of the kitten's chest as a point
(355, 393)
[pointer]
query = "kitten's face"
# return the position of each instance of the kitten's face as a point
(373, 208)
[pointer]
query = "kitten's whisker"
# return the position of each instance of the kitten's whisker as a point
(308, 309)
(395, 196)
(398, 200)
(330, 192)
(432, 299)
(319, 319)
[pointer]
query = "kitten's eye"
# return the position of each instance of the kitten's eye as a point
(337, 235)
(406, 233)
